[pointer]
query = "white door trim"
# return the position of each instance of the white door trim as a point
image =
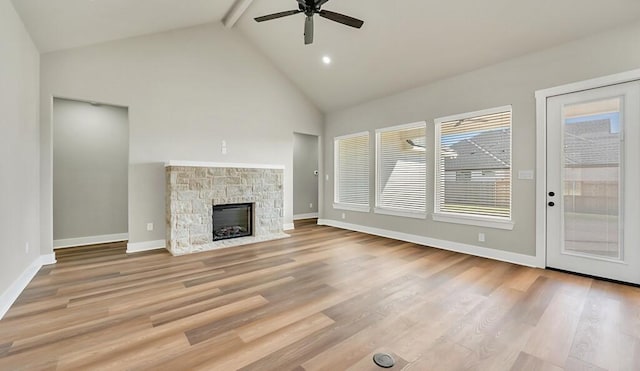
(541, 147)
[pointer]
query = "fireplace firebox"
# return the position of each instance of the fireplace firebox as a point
(232, 221)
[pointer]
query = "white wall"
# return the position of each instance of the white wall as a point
(19, 155)
(186, 90)
(512, 82)
(305, 183)
(90, 170)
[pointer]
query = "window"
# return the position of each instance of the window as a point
(473, 168)
(352, 172)
(401, 170)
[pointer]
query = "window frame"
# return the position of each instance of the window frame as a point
(336, 175)
(390, 210)
(471, 219)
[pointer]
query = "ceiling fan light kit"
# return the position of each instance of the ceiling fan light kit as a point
(310, 8)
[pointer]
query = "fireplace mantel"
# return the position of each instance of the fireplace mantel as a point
(194, 188)
(222, 164)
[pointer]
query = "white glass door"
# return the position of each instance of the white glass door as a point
(593, 173)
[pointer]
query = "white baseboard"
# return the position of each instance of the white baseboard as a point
(48, 259)
(89, 240)
(11, 294)
(485, 252)
(146, 246)
(305, 216)
(288, 227)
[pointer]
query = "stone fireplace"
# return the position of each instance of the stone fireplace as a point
(244, 202)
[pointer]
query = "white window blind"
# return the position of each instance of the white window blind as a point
(401, 168)
(352, 170)
(473, 169)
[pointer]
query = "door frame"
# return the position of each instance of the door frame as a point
(541, 147)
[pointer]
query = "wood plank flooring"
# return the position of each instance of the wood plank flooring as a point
(324, 299)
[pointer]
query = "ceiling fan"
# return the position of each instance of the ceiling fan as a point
(309, 8)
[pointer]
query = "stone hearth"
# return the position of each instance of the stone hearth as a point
(193, 189)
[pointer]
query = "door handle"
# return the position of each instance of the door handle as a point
(551, 204)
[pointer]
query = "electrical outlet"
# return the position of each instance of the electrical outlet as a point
(481, 237)
(26, 247)
(149, 227)
(311, 206)
(344, 216)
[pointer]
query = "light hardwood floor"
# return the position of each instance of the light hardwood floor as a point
(324, 299)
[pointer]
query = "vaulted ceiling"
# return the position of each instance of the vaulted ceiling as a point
(63, 24)
(402, 44)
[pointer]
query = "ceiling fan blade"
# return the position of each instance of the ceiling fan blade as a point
(320, 3)
(308, 30)
(341, 18)
(277, 15)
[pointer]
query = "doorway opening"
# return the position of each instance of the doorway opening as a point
(306, 176)
(90, 173)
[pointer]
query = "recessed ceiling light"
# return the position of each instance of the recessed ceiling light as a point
(326, 59)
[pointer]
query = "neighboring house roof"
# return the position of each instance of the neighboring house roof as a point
(591, 143)
(487, 150)
(587, 144)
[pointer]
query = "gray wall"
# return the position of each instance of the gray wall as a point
(305, 183)
(19, 161)
(90, 166)
(512, 82)
(187, 90)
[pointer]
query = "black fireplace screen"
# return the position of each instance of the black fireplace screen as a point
(232, 221)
